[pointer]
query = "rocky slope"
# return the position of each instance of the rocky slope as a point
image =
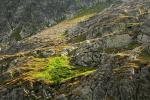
(41, 15)
(93, 57)
(22, 18)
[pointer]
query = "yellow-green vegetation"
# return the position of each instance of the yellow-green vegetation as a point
(59, 69)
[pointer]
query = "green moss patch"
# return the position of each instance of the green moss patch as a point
(59, 70)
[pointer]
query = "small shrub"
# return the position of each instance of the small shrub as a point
(16, 34)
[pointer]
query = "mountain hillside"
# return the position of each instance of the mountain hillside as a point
(100, 52)
(23, 18)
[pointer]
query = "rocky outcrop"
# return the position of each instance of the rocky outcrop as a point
(114, 83)
(126, 20)
(91, 53)
(109, 31)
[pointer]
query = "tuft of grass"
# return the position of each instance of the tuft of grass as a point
(59, 70)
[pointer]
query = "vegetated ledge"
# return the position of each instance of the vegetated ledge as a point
(52, 70)
(59, 70)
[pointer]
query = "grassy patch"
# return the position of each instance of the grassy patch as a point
(59, 69)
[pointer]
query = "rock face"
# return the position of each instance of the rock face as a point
(92, 53)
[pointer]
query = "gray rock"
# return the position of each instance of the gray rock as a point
(43, 53)
(143, 39)
(118, 41)
(61, 97)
